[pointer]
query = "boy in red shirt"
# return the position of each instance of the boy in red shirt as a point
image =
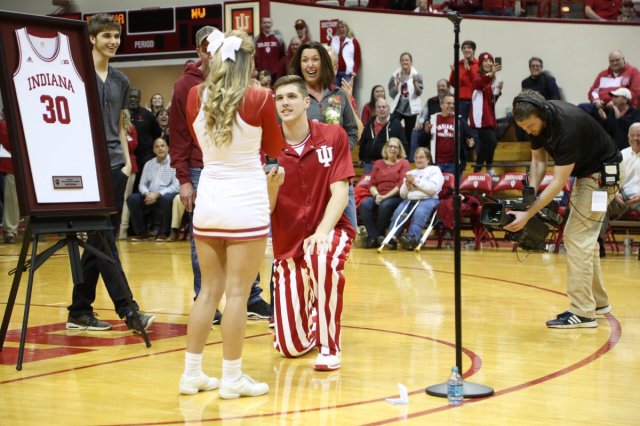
(312, 237)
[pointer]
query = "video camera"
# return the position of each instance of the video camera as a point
(532, 237)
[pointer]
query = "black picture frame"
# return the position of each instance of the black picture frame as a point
(80, 50)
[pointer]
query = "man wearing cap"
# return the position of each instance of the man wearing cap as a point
(186, 158)
(269, 49)
(302, 31)
(620, 115)
(619, 74)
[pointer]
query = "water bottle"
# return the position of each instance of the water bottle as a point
(628, 244)
(455, 387)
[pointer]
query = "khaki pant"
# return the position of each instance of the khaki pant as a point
(11, 211)
(177, 211)
(584, 278)
(126, 214)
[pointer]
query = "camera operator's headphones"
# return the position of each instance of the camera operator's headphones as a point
(544, 107)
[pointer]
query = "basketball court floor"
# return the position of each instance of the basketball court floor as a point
(398, 327)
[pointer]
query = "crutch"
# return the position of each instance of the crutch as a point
(399, 223)
(428, 231)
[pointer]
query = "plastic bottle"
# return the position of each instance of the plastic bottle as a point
(455, 387)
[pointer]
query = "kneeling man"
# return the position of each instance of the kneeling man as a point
(312, 237)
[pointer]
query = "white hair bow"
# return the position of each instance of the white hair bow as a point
(230, 45)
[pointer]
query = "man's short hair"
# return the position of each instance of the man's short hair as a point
(528, 103)
(103, 22)
(203, 33)
(448, 95)
(295, 80)
(535, 58)
(470, 43)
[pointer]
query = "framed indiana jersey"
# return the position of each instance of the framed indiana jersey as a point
(54, 121)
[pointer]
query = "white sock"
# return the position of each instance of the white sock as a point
(192, 364)
(231, 370)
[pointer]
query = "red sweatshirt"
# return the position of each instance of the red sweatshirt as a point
(607, 82)
(184, 151)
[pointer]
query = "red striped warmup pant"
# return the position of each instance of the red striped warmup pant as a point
(306, 284)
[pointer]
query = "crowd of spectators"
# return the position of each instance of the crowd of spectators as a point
(396, 114)
(395, 111)
(597, 10)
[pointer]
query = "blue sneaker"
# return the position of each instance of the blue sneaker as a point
(570, 320)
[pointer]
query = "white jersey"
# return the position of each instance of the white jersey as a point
(55, 119)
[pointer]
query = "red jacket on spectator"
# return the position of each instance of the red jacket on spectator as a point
(184, 151)
(6, 163)
(607, 82)
(482, 113)
(466, 79)
(606, 9)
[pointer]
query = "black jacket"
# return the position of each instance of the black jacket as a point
(371, 145)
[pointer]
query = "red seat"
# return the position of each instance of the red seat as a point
(478, 185)
(447, 186)
(510, 186)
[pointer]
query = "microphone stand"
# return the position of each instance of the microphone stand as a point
(470, 390)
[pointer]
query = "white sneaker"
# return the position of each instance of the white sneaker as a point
(327, 362)
(192, 385)
(603, 310)
(244, 386)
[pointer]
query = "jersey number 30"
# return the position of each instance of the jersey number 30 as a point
(57, 109)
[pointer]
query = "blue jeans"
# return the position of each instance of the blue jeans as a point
(195, 265)
(350, 211)
(377, 217)
(339, 76)
(447, 168)
(159, 213)
(416, 135)
(421, 215)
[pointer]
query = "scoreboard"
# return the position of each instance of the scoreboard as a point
(164, 31)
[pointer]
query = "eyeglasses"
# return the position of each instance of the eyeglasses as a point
(535, 66)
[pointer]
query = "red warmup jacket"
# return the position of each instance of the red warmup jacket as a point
(184, 151)
(607, 82)
(466, 79)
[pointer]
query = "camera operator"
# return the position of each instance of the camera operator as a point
(579, 147)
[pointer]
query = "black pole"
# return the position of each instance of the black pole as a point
(470, 390)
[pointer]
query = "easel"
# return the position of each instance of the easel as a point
(69, 226)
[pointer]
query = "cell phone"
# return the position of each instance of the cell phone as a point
(270, 163)
(498, 60)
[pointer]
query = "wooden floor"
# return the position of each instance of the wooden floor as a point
(398, 328)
